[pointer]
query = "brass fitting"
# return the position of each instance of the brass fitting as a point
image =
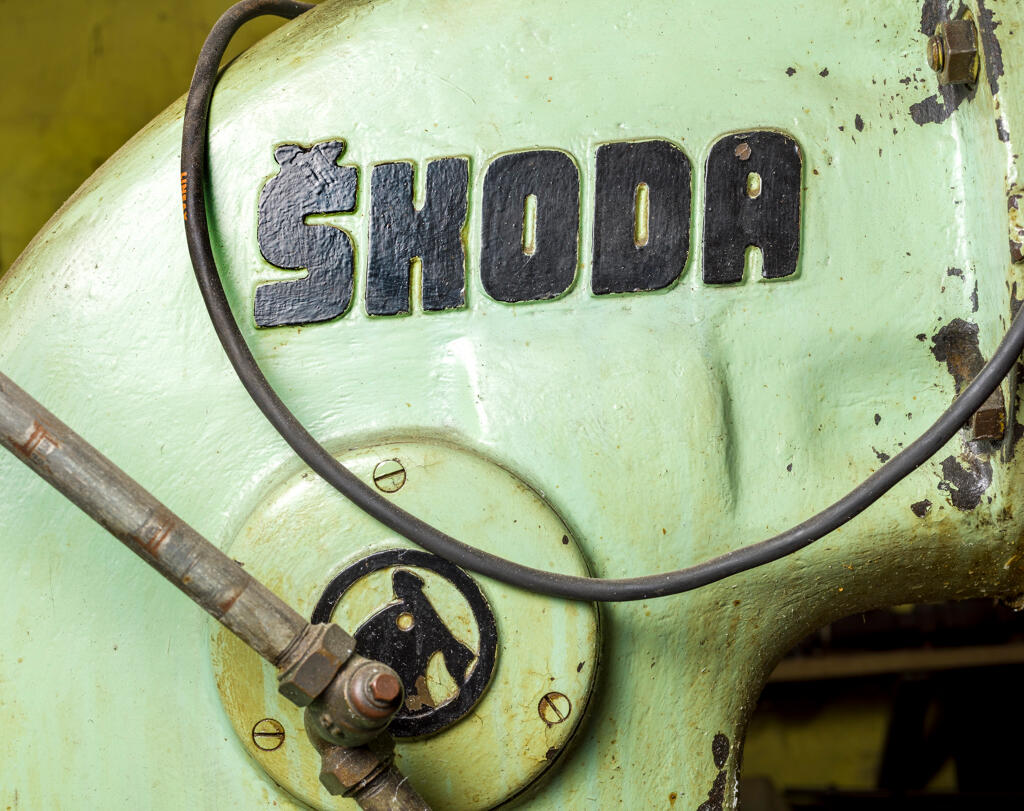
(357, 705)
(365, 774)
(349, 699)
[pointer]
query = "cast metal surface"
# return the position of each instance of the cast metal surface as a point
(121, 506)
(353, 697)
(477, 655)
(665, 426)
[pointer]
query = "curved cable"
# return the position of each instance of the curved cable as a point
(193, 167)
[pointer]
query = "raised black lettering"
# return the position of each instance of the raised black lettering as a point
(752, 199)
(399, 233)
(641, 216)
(531, 220)
(310, 182)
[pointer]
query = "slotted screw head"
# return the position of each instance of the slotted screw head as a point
(268, 734)
(554, 708)
(389, 475)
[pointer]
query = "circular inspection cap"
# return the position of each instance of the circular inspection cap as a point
(492, 674)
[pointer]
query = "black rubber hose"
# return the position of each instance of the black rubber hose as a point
(193, 167)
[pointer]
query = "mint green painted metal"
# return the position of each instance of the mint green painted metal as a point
(664, 428)
(504, 744)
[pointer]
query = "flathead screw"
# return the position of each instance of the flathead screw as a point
(389, 476)
(554, 708)
(268, 734)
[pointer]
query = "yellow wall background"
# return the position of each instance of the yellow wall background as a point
(79, 79)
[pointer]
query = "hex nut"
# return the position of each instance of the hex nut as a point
(989, 421)
(959, 63)
(317, 657)
(345, 771)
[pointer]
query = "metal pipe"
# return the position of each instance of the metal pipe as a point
(315, 662)
(121, 506)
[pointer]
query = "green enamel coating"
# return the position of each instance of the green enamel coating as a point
(503, 745)
(664, 428)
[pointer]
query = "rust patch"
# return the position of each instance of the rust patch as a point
(1013, 412)
(965, 485)
(1016, 217)
(40, 442)
(956, 345)
(154, 532)
(1016, 429)
(921, 508)
(231, 598)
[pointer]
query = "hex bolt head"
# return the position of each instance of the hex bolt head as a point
(389, 476)
(554, 708)
(374, 692)
(268, 734)
(953, 52)
(385, 688)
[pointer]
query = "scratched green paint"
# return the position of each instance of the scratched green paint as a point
(661, 427)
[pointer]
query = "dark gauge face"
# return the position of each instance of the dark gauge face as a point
(444, 669)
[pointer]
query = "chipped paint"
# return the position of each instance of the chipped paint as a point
(666, 430)
(720, 755)
(941, 105)
(956, 345)
(965, 480)
(991, 49)
(921, 508)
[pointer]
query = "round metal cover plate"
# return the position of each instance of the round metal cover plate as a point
(497, 680)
